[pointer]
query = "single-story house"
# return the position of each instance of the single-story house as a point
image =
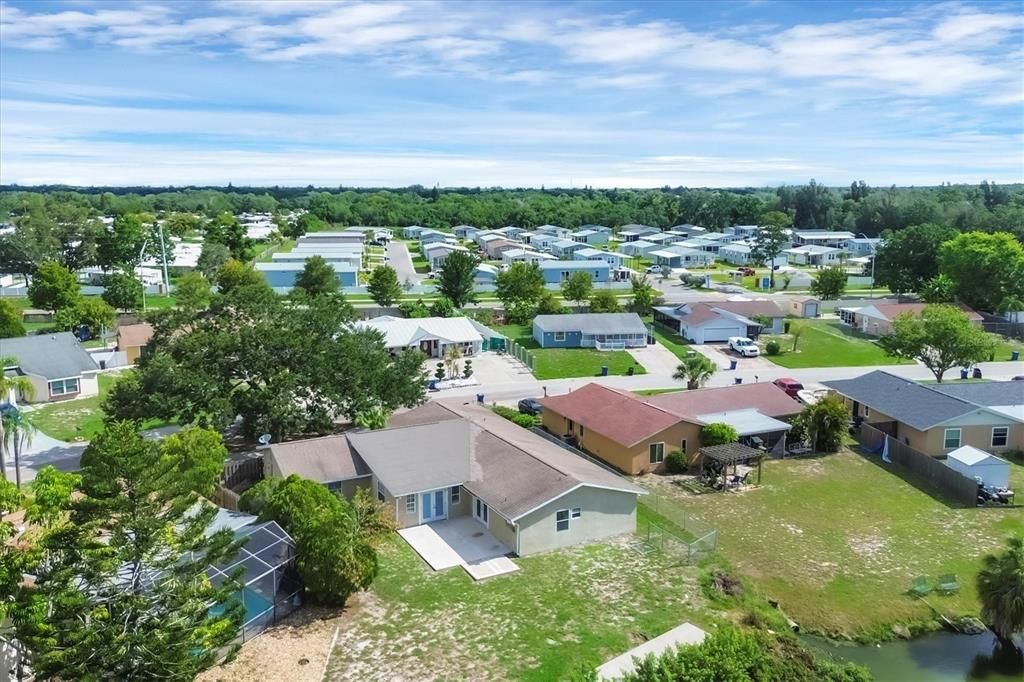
(55, 364)
(557, 271)
(445, 460)
(510, 232)
(590, 237)
(737, 254)
(412, 231)
(860, 246)
(555, 231)
(283, 275)
(465, 231)
(590, 330)
(634, 433)
(813, 254)
(482, 238)
(132, 340)
(539, 240)
(351, 259)
(665, 238)
(634, 232)
(638, 248)
(742, 231)
(877, 319)
(716, 321)
(834, 238)
(432, 336)
(340, 237)
(486, 273)
(437, 253)
(564, 248)
(525, 256)
(688, 229)
(936, 419)
(612, 258)
(802, 306)
(991, 471)
(681, 257)
(597, 228)
(429, 236)
(495, 247)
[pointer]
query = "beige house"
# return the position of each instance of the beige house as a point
(132, 340)
(55, 364)
(937, 419)
(877, 320)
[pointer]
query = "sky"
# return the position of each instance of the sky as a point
(560, 94)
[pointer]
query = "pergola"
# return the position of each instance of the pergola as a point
(731, 454)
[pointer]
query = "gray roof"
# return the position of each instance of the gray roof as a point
(52, 356)
(573, 264)
(989, 394)
(323, 460)
(592, 323)
(914, 404)
(412, 459)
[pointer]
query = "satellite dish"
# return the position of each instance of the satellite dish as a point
(264, 439)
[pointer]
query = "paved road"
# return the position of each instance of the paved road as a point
(400, 259)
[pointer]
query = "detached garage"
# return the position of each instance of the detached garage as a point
(993, 471)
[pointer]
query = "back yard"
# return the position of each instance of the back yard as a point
(838, 540)
(564, 363)
(829, 343)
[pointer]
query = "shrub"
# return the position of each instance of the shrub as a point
(439, 372)
(467, 372)
(516, 417)
(676, 462)
(718, 434)
(772, 347)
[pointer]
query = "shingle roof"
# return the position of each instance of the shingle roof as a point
(129, 335)
(52, 356)
(592, 323)
(324, 459)
(411, 459)
(891, 310)
(918, 406)
(989, 394)
(622, 417)
(765, 397)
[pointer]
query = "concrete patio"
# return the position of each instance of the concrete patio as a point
(462, 542)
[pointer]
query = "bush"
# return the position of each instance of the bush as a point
(772, 347)
(467, 371)
(515, 416)
(718, 434)
(676, 462)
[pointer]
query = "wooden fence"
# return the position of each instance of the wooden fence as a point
(932, 471)
(242, 473)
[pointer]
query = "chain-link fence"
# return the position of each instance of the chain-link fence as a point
(672, 529)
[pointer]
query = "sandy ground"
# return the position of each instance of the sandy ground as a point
(295, 650)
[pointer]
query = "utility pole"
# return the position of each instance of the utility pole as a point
(163, 254)
(145, 243)
(874, 250)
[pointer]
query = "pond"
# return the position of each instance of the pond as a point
(941, 657)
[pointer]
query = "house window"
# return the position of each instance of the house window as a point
(63, 386)
(456, 494)
(576, 513)
(866, 411)
(572, 425)
(562, 520)
(1000, 436)
(682, 446)
(581, 430)
(380, 493)
(334, 486)
(951, 439)
(410, 504)
(559, 336)
(657, 453)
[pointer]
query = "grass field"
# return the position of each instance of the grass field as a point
(561, 610)
(267, 254)
(675, 343)
(828, 343)
(80, 419)
(838, 540)
(566, 363)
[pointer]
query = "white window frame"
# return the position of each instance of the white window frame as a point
(660, 449)
(1006, 437)
(559, 336)
(455, 495)
(945, 438)
(410, 504)
(481, 512)
(575, 513)
(63, 386)
(559, 521)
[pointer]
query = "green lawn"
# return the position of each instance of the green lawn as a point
(267, 254)
(828, 343)
(566, 363)
(675, 343)
(1006, 346)
(838, 540)
(560, 611)
(80, 419)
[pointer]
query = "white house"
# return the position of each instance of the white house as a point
(438, 252)
(432, 336)
(835, 239)
(524, 256)
(611, 258)
(638, 248)
(812, 254)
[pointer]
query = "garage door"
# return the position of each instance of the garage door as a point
(712, 334)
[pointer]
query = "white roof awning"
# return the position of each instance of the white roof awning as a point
(748, 422)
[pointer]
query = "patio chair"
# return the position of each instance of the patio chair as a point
(948, 584)
(920, 587)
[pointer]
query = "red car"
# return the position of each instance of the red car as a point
(747, 272)
(790, 386)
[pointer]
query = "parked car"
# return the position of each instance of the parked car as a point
(1019, 377)
(790, 386)
(744, 346)
(530, 406)
(747, 272)
(653, 270)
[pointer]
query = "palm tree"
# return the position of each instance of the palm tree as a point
(1001, 588)
(8, 385)
(451, 359)
(695, 370)
(18, 432)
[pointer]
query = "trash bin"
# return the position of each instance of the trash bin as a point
(1015, 355)
(977, 373)
(629, 372)
(963, 374)
(732, 364)
(604, 371)
(480, 398)
(739, 380)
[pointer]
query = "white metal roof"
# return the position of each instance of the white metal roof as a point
(971, 456)
(748, 422)
(400, 332)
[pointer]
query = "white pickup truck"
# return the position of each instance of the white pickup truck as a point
(744, 346)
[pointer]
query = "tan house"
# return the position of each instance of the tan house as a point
(802, 306)
(938, 418)
(444, 461)
(132, 340)
(633, 433)
(877, 320)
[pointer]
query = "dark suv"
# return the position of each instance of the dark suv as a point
(530, 406)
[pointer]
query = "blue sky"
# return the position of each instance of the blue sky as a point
(608, 94)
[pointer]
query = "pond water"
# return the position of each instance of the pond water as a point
(941, 657)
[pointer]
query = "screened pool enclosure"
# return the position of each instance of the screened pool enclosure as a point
(270, 586)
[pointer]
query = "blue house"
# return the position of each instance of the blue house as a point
(557, 271)
(282, 275)
(412, 231)
(485, 274)
(613, 259)
(465, 231)
(604, 331)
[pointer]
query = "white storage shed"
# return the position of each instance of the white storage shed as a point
(993, 471)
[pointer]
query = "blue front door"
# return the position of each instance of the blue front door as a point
(432, 506)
